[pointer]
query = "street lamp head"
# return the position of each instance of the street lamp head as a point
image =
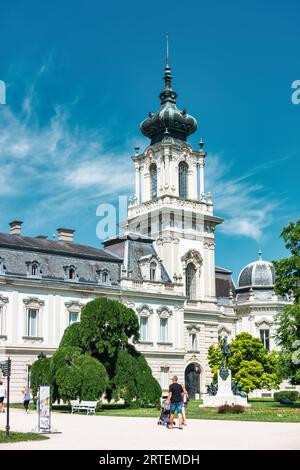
(42, 355)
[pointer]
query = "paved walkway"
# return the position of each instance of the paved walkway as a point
(106, 433)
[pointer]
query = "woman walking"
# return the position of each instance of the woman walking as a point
(184, 405)
(2, 397)
(26, 399)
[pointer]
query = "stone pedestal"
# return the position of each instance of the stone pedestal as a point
(224, 395)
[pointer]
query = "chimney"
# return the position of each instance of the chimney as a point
(65, 234)
(15, 227)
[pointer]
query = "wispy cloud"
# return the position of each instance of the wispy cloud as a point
(246, 205)
(58, 167)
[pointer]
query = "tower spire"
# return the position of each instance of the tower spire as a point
(168, 95)
(167, 54)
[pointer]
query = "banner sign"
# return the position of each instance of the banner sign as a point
(44, 412)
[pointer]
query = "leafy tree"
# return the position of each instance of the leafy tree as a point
(95, 355)
(106, 326)
(71, 336)
(288, 269)
(94, 378)
(288, 321)
(78, 375)
(250, 364)
(133, 380)
(41, 375)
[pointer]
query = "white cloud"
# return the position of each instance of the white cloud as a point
(247, 206)
(67, 167)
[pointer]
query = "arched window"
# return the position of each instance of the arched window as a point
(190, 281)
(182, 170)
(153, 182)
(152, 271)
(105, 277)
(71, 273)
(34, 269)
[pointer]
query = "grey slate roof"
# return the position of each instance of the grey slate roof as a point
(224, 283)
(53, 255)
(139, 246)
(18, 242)
(138, 250)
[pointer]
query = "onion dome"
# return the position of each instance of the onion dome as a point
(260, 273)
(169, 119)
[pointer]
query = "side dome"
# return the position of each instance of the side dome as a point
(260, 273)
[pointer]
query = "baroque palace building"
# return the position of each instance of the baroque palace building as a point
(162, 266)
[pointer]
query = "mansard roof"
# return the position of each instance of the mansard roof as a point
(138, 247)
(58, 247)
(54, 258)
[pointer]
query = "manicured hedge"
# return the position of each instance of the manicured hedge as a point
(292, 395)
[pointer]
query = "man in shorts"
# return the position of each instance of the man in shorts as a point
(175, 399)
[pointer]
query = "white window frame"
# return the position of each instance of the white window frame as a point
(164, 331)
(193, 329)
(144, 311)
(70, 315)
(3, 309)
(164, 377)
(144, 318)
(28, 327)
(73, 307)
(33, 303)
(194, 342)
(263, 340)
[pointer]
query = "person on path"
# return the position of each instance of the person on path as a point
(175, 399)
(184, 405)
(2, 397)
(26, 399)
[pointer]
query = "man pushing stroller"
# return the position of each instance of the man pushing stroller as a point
(175, 400)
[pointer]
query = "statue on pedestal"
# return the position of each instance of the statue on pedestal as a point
(226, 353)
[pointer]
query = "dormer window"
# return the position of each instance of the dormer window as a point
(103, 276)
(71, 273)
(152, 271)
(33, 269)
(2, 266)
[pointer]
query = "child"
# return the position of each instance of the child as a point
(26, 399)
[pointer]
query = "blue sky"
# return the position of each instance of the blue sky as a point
(81, 76)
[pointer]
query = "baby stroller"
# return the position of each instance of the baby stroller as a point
(164, 418)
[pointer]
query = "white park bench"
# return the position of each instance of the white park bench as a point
(88, 406)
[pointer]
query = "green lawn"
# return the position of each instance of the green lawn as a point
(264, 410)
(20, 436)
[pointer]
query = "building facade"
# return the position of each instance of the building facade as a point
(162, 266)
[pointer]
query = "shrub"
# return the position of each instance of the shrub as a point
(94, 378)
(78, 375)
(106, 326)
(71, 336)
(133, 380)
(231, 409)
(40, 374)
(292, 395)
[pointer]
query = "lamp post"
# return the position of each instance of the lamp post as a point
(6, 370)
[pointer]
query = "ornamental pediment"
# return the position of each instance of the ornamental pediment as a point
(33, 302)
